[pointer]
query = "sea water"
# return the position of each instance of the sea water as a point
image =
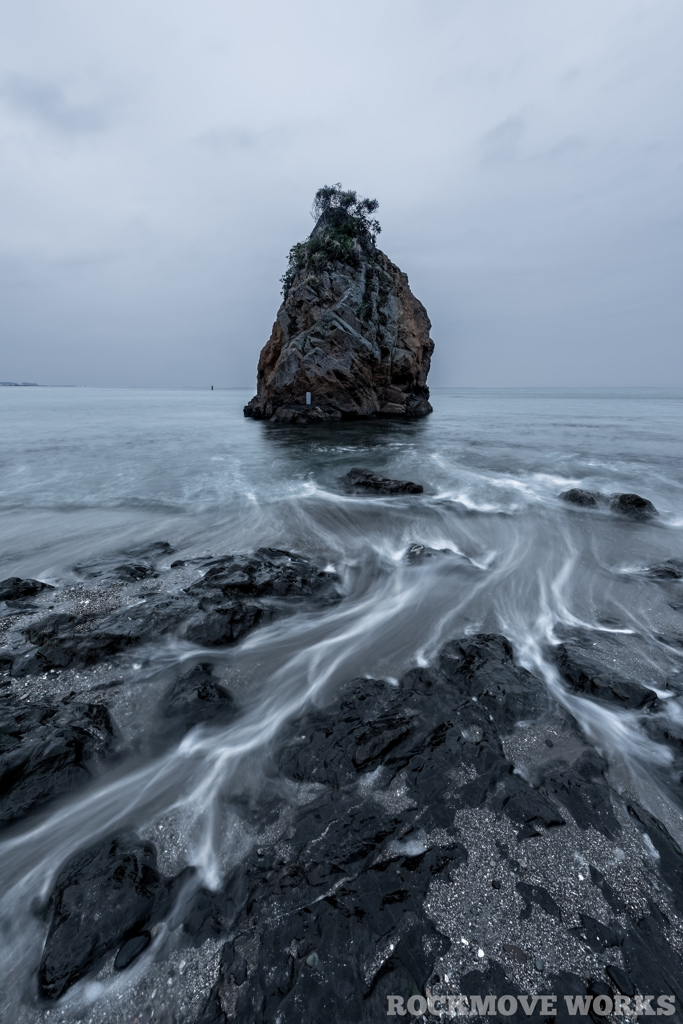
(86, 473)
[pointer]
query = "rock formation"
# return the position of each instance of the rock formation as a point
(350, 339)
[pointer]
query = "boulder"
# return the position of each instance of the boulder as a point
(350, 339)
(577, 496)
(14, 588)
(47, 750)
(633, 505)
(104, 898)
(363, 480)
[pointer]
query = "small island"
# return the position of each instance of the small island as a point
(350, 340)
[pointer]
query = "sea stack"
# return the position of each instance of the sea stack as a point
(350, 339)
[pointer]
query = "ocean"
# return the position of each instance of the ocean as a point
(94, 476)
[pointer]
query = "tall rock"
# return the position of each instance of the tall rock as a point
(349, 334)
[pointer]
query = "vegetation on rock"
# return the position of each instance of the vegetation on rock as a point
(344, 232)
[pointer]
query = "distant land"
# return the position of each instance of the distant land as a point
(14, 384)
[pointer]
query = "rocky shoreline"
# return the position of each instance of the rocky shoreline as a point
(450, 832)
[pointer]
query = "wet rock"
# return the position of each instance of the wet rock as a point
(269, 572)
(651, 962)
(131, 950)
(417, 553)
(139, 564)
(14, 588)
(343, 953)
(105, 897)
(65, 640)
(670, 857)
(349, 332)
(609, 895)
(597, 935)
(225, 623)
(633, 506)
(582, 789)
(47, 750)
(363, 481)
(671, 569)
(238, 593)
(536, 894)
(196, 698)
(335, 909)
(585, 499)
(584, 675)
(621, 979)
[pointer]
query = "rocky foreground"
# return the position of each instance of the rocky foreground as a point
(449, 835)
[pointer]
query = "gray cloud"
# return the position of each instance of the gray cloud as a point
(48, 103)
(527, 171)
(503, 142)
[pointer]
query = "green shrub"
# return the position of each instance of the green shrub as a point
(344, 231)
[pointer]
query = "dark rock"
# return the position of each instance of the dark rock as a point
(577, 496)
(14, 588)
(515, 952)
(134, 571)
(619, 978)
(671, 569)
(349, 332)
(633, 506)
(66, 640)
(103, 898)
(238, 593)
(197, 697)
(670, 856)
(225, 624)
(131, 950)
(269, 572)
(47, 750)
(597, 935)
(363, 480)
(582, 789)
(417, 553)
(609, 895)
(140, 563)
(651, 962)
(540, 896)
(587, 676)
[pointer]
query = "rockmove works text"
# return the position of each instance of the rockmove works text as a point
(545, 1006)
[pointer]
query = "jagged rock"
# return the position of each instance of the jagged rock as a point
(671, 569)
(238, 593)
(103, 897)
(47, 750)
(589, 677)
(196, 698)
(140, 564)
(364, 480)
(633, 505)
(14, 588)
(350, 332)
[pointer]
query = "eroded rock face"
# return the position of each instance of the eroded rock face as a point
(354, 336)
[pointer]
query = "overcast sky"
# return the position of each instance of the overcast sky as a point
(159, 158)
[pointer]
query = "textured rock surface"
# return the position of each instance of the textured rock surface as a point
(352, 334)
(103, 897)
(363, 480)
(47, 750)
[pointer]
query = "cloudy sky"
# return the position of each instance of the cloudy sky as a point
(159, 157)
